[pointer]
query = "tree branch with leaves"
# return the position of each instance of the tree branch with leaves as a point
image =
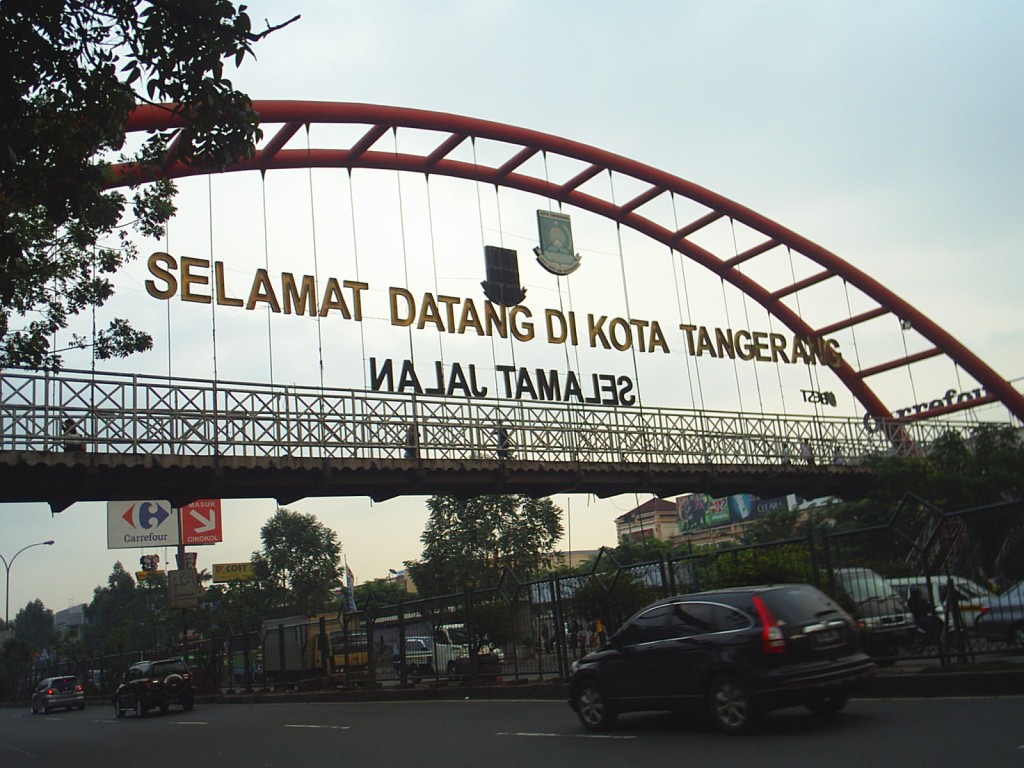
(74, 71)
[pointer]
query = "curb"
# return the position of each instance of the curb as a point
(928, 683)
(922, 684)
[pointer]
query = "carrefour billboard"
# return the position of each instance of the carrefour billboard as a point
(149, 523)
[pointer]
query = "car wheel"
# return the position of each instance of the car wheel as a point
(118, 707)
(46, 709)
(451, 669)
(188, 704)
(592, 706)
(414, 673)
(140, 711)
(81, 707)
(1016, 638)
(164, 708)
(35, 710)
(827, 705)
(730, 705)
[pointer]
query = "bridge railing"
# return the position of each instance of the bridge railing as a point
(155, 415)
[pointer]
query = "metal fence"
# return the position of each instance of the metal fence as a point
(533, 630)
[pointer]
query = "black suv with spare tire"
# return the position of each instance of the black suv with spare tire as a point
(733, 654)
(154, 684)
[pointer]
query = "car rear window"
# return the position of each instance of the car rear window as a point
(800, 604)
(167, 667)
(65, 684)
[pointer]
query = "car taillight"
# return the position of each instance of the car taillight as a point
(772, 638)
(78, 689)
(51, 692)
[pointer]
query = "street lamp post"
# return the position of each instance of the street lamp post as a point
(7, 566)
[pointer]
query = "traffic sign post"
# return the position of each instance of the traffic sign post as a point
(183, 588)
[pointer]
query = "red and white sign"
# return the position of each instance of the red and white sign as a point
(201, 523)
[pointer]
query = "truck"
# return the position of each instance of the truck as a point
(303, 647)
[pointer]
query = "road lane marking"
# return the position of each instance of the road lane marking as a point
(13, 748)
(530, 734)
(322, 727)
(191, 722)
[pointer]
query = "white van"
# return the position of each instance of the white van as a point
(451, 647)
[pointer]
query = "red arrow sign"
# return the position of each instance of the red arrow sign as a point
(201, 522)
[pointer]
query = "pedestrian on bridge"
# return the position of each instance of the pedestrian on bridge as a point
(806, 452)
(504, 441)
(786, 459)
(72, 440)
(412, 442)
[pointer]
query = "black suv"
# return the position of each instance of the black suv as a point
(150, 684)
(735, 654)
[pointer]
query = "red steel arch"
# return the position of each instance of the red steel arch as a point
(456, 129)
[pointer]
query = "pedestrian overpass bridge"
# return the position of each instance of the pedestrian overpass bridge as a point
(183, 439)
(150, 436)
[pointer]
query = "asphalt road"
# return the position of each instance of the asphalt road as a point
(492, 734)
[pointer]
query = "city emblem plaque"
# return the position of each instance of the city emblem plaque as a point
(556, 253)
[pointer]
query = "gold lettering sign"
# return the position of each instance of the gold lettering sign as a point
(196, 280)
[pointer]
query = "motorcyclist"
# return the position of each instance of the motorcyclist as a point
(924, 615)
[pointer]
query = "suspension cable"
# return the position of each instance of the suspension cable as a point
(266, 265)
(735, 364)
(401, 228)
(799, 312)
(625, 293)
(746, 311)
(355, 256)
(853, 334)
(316, 261)
(679, 306)
(213, 276)
(433, 258)
(483, 247)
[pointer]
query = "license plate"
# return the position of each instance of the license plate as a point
(828, 637)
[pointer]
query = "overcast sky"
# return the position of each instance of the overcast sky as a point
(887, 132)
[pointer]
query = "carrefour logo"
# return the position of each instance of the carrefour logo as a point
(146, 515)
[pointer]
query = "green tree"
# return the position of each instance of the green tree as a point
(34, 625)
(381, 592)
(300, 562)
(612, 597)
(124, 616)
(957, 472)
(73, 71)
(470, 542)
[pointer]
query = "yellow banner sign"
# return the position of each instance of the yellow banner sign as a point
(223, 572)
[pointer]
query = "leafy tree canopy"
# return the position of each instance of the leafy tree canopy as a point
(958, 472)
(125, 616)
(470, 542)
(73, 71)
(300, 562)
(34, 625)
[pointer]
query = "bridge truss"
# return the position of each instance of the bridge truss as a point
(235, 439)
